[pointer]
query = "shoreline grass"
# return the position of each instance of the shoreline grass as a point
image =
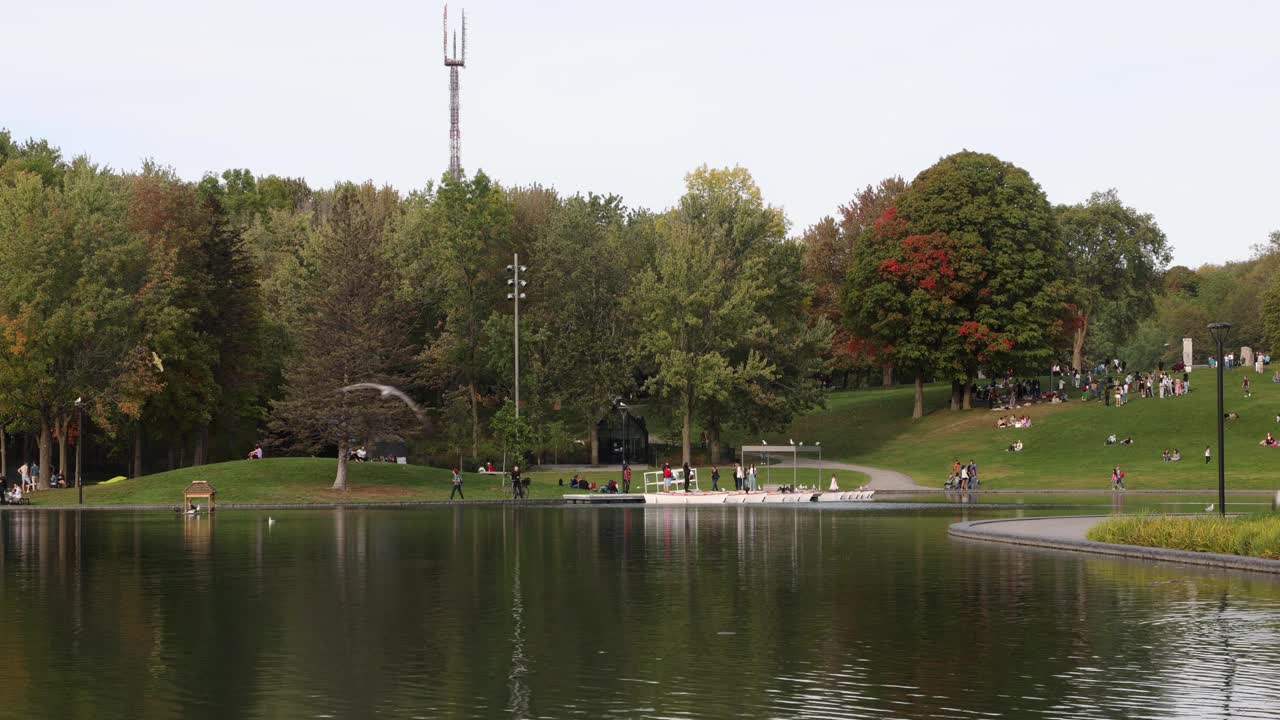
(1248, 536)
(309, 480)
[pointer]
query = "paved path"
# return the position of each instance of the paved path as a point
(880, 479)
(1070, 533)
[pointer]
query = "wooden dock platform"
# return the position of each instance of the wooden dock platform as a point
(605, 499)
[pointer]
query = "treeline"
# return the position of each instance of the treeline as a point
(195, 319)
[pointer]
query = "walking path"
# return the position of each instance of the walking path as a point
(881, 479)
(1071, 533)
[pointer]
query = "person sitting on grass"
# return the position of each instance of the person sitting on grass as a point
(1111, 439)
(1016, 446)
(1164, 456)
(1269, 441)
(1127, 441)
(1176, 456)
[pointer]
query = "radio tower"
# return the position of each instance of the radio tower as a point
(453, 62)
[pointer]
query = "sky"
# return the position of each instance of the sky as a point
(1175, 104)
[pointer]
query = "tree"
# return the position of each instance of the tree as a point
(1116, 257)
(580, 307)
(1003, 231)
(352, 329)
(77, 292)
(828, 257)
(454, 248)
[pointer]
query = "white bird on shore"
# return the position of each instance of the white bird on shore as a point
(1211, 507)
(270, 521)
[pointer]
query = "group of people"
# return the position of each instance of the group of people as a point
(962, 477)
(1013, 421)
(1174, 456)
(1111, 440)
(29, 478)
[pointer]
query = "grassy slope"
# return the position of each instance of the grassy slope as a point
(1064, 448)
(290, 480)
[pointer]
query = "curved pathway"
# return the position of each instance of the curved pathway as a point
(881, 479)
(1071, 533)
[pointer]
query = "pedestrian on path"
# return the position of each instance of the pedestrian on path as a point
(457, 485)
(973, 475)
(1117, 479)
(626, 478)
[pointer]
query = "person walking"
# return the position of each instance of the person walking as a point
(973, 474)
(715, 478)
(964, 477)
(457, 485)
(626, 478)
(1245, 385)
(688, 474)
(1117, 479)
(1206, 455)
(517, 484)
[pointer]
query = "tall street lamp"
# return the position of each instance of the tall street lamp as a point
(79, 445)
(516, 294)
(1219, 332)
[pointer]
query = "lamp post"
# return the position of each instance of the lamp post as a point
(1219, 332)
(793, 461)
(79, 445)
(819, 446)
(516, 294)
(626, 436)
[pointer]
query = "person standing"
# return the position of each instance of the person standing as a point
(1117, 479)
(751, 477)
(1245, 385)
(24, 476)
(737, 477)
(517, 484)
(688, 474)
(626, 478)
(964, 477)
(457, 484)
(1206, 456)
(666, 477)
(973, 474)
(715, 478)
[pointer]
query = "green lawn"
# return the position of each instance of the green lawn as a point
(1065, 446)
(303, 480)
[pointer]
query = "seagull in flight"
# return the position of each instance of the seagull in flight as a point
(387, 391)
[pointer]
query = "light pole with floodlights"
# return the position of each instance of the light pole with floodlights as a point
(1219, 332)
(516, 294)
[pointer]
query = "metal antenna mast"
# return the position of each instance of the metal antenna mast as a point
(453, 62)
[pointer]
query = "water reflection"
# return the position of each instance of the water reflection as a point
(630, 612)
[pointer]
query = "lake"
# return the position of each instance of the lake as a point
(623, 612)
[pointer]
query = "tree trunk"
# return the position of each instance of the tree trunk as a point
(1077, 343)
(967, 404)
(918, 411)
(173, 457)
(955, 395)
(136, 469)
(340, 481)
(201, 454)
(593, 430)
(46, 453)
(886, 375)
(684, 428)
(713, 440)
(475, 422)
(63, 424)
(4, 450)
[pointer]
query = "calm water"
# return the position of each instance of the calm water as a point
(745, 612)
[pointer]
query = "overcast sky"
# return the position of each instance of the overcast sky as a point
(1175, 104)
